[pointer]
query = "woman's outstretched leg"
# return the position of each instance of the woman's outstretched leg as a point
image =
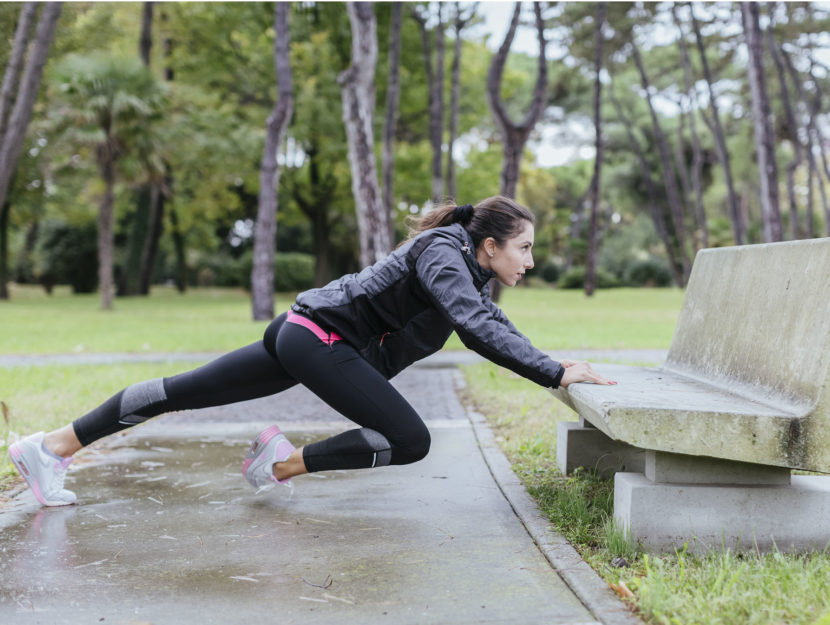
(247, 373)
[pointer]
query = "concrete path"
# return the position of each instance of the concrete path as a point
(167, 531)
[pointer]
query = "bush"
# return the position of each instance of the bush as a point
(293, 271)
(574, 278)
(549, 271)
(649, 272)
(67, 254)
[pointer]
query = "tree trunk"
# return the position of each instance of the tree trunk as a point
(15, 63)
(515, 135)
(105, 231)
(735, 216)
(154, 228)
(697, 153)
(591, 260)
(435, 90)
(128, 279)
(669, 179)
(4, 250)
(393, 91)
(180, 277)
(455, 96)
(145, 44)
(161, 190)
(265, 231)
(358, 90)
(317, 207)
(808, 146)
(655, 207)
(21, 113)
(792, 126)
(762, 122)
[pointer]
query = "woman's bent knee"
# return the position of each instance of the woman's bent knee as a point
(414, 450)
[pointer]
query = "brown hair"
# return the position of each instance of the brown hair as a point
(498, 217)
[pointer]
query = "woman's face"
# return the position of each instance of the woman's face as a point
(511, 260)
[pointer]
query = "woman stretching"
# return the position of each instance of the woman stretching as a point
(344, 341)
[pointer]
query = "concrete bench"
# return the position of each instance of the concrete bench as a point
(706, 443)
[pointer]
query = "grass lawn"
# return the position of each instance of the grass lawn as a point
(720, 589)
(220, 320)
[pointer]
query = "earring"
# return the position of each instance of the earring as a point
(492, 254)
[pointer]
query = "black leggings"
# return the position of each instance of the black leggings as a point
(391, 431)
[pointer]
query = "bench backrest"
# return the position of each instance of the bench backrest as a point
(756, 318)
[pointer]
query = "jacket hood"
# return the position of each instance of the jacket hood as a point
(459, 235)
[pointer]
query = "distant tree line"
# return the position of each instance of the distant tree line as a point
(230, 143)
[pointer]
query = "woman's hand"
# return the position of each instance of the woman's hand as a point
(581, 372)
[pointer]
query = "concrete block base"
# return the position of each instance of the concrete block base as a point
(662, 517)
(582, 445)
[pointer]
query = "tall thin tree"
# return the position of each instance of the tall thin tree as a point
(735, 215)
(393, 90)
(762, 123)
(669, 178)
(591, 259)
(265, 231)
(791, 124)
(461, 20)
(514, 134)
(17, 100)
(435, 89)
(358, 90)
(697, 152)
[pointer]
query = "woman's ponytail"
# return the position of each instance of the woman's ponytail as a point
(498, 217)
(441, 215)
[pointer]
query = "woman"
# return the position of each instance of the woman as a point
(344, 341)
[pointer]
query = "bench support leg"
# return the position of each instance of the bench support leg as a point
(582, 445)
(693, 500)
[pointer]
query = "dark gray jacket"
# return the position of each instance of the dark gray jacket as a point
(405, 306)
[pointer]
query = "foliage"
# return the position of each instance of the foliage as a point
(67, 254)
(648, 272)
(574, 278)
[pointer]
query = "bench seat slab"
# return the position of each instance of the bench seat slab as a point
(659, 409)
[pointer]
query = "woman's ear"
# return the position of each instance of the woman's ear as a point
(489, 245)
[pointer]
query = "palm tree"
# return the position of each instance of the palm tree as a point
(109, 104)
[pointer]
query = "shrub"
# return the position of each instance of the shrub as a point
(649, 272)
(67, 254)
(549, 271)
(293, 271)
(574, 278)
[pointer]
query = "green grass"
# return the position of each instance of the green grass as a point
(201, 320)
(43, 398)
(719, 588)
(220, 320)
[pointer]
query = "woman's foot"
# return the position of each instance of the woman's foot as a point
(42, 470)
(269, 447)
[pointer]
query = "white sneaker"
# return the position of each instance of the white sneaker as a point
(269, 446)
(43, 472)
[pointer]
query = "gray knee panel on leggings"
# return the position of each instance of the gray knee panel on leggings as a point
(380, 445)
(139, 397)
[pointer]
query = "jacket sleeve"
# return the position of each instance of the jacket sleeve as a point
(447, 281)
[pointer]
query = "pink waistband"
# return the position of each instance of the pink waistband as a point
(327, 337)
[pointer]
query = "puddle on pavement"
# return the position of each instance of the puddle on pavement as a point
(163, 526)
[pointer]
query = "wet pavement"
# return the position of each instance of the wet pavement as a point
(166, 530)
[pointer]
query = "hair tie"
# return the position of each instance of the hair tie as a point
(463, 214)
